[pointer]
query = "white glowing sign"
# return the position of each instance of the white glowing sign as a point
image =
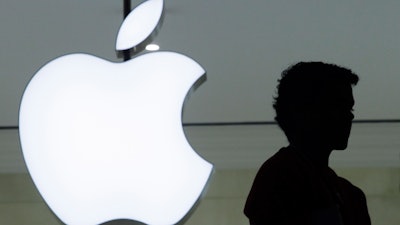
(104, 141)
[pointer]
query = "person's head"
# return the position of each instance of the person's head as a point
(314, 104)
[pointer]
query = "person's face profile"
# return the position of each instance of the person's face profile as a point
(338, 117)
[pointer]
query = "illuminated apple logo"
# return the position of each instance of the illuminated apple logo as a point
(104, 141)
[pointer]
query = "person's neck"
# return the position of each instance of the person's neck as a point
(319, 156)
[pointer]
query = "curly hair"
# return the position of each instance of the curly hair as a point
(303, 86)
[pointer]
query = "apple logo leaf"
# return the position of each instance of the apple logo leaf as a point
(140, 26)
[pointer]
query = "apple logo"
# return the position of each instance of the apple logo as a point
(104, 141)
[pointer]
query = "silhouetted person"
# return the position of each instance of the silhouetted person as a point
(314, 105)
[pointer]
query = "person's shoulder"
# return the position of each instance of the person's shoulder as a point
(275, 161)
(281, 158)
(282, 163)
(355, 199)
(350, 188)
(343, 182)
